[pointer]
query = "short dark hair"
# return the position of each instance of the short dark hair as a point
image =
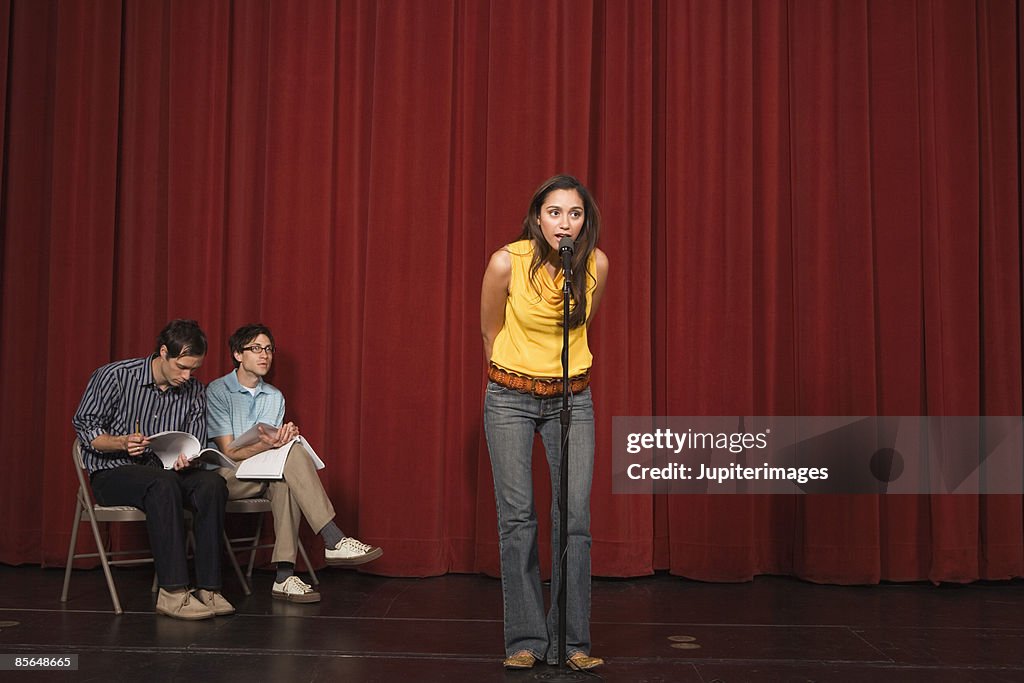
(182, 338)
(244, 335)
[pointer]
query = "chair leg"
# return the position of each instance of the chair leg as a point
(309, 565)
(234, 564)
(255, 545)
(71, 550)
(105, 563)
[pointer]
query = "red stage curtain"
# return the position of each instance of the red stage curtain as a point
(810, 209)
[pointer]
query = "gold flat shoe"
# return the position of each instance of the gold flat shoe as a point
(520, 660)
(582, 662)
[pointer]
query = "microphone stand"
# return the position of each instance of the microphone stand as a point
(565, 418)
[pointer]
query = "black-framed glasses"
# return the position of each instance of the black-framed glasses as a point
(257, 349)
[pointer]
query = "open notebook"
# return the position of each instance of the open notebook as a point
(268, 464)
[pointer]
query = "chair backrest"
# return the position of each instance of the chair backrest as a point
(101, 513)
(76, 454)
(84, 490)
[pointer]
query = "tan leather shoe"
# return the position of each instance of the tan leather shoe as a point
(181, 605)
(215, 601)
(582, 662)
(520, 660)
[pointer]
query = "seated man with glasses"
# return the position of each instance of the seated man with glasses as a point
(240, 400)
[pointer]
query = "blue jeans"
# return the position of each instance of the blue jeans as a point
(510, 420)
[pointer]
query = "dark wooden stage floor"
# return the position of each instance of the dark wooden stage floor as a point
(659, 628)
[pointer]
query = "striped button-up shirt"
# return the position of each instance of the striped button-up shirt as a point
(122, 397)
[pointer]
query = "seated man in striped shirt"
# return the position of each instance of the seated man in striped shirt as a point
(242, 399)
(123, 402)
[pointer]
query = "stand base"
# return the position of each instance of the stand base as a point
(561, 674)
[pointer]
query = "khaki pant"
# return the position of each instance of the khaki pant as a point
(299, 491)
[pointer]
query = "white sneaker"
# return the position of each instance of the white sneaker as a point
(350, 552)
(294, 589)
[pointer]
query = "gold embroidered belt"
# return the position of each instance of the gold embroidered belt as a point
(543, 388)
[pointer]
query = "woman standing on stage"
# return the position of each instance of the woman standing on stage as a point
(521, 321)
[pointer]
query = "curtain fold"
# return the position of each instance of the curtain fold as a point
(809, 209)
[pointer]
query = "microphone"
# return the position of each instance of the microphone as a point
(566, 246)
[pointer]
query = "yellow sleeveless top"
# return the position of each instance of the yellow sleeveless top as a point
(530, 343)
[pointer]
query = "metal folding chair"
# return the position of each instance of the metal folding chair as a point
(252, 543)
(87, 509)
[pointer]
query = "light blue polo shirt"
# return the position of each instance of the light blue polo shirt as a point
(231, 410)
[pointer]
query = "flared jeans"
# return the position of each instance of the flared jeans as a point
(511, 419)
